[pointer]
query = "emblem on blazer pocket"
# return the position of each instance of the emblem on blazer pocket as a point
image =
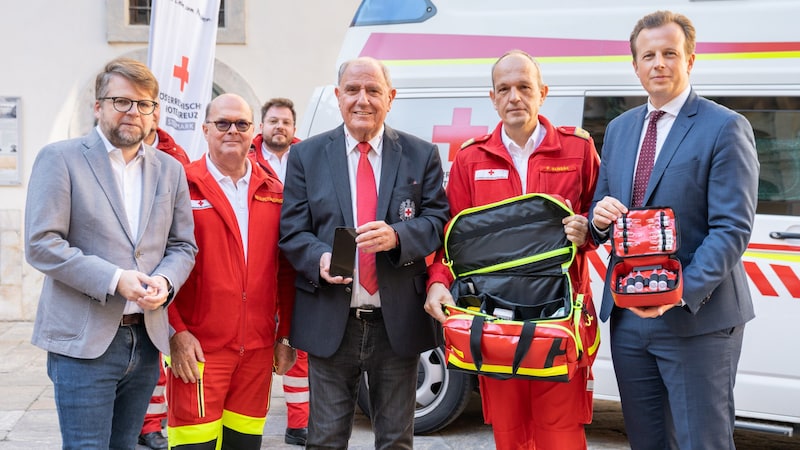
(407, 210)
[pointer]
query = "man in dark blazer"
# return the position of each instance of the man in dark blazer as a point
(346, 326)
(676, 364)
(109, 223)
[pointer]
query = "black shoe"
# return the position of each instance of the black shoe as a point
(154, 440)
(296, 436)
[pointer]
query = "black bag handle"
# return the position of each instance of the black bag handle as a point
(523, 345)
(475, 337)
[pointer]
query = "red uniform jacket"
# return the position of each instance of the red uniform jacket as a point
(227, 302)
(168, 145)
(564, 164)
(258, 157)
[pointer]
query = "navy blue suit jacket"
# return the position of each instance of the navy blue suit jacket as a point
(707, 171)
(317, 199)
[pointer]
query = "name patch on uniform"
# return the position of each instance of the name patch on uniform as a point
(269, 199)
(201, 204)
(491, 174)
(557, 169)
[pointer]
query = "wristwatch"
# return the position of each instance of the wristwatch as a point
(285, 341)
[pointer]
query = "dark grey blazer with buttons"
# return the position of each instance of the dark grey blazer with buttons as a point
(317, 199)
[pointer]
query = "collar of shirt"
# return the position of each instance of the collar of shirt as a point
(244, 181)
(533, 142)
(155, 142)
(671, 108)
(272, 157)
(376, 142)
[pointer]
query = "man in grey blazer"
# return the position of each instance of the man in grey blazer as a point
(109, 223)
(676, 364)
(374, 320)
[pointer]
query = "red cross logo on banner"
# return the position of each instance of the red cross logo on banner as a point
(458, 132)
(182, 72)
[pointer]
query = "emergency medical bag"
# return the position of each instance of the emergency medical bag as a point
(516, 314)
(647, 272)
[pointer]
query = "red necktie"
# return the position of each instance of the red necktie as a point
(647, 157)
(366, 211)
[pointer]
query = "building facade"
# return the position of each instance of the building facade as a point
(53, 51)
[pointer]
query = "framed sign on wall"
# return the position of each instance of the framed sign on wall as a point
(10, 150)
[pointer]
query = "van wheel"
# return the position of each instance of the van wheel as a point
(441, 394)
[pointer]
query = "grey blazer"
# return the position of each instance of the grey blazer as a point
(77, 234)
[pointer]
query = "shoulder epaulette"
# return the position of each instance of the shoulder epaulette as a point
(575, 131)
(471, 141)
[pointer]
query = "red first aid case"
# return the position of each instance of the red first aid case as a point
(517, 315)
(647, 272)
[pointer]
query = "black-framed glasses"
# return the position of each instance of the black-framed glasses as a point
(225, 125)
(124, 104)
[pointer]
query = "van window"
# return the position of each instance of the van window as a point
(384, 12)
(776, 125)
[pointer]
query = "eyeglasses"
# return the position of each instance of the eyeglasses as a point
(225, 125)
(123, 105)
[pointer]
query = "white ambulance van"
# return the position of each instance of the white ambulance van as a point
(748, 58)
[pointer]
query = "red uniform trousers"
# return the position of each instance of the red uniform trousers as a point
(295, 391)
(157, 409)
(233, 394)
(538, 415)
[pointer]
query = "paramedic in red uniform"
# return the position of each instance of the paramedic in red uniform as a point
(224, 346)
(270, 150)
(527, 154)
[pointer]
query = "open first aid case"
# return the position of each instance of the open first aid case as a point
(644, 243)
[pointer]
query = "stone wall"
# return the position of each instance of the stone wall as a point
(19, 282)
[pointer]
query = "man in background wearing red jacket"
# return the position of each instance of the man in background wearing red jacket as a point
(270, 150)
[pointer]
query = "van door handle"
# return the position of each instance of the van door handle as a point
(783, 235)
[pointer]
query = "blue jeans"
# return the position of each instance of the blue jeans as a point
(101, 402)
(333, 387)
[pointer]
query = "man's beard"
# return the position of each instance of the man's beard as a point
(279, 146)
(119, 138)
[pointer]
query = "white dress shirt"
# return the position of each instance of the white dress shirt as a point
(129, 181)
(236, 195)
(277, 164)
(521, 156)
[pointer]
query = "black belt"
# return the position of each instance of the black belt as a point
(132, 319)
(367, 314)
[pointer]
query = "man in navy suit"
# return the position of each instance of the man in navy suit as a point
(373, 321)
(676, 364)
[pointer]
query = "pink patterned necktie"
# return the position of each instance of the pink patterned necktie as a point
(366, 211)
(647, 157)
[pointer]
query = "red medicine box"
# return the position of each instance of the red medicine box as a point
(648, 272)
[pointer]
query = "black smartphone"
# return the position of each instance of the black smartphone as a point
(343, 256)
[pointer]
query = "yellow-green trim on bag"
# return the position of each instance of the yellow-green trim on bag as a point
(516, 313)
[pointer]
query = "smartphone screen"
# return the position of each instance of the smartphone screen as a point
(343, 256)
